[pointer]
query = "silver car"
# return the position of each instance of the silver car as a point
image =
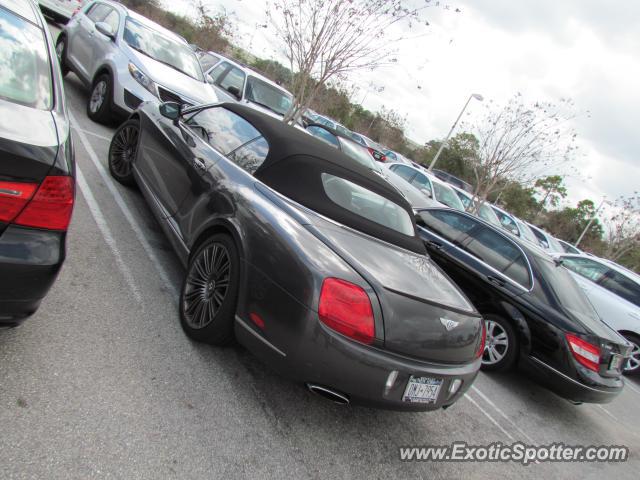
(127, 59)
(237, 83)
(61, 10)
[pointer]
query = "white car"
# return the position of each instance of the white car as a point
(127, 59)
(615, 294)
(429, 185)
(547, 240)
(485, 212)
(61, 10)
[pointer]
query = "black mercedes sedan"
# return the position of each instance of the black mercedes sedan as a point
(302, 254)
(37, 172)
(536, 315)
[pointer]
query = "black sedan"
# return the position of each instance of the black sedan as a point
(309, 259)
(535, 313)
(36, 162)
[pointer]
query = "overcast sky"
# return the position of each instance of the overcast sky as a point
(586, 50)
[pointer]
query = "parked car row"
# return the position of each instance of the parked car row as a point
(368, 285)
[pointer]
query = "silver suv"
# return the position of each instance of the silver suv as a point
(126, 59)
(236, 83)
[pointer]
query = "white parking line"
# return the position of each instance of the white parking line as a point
(502, 414)
(491, 419)
(607, 412)
(108, 181)
(97, 215)
(628, 384)
(89, 132)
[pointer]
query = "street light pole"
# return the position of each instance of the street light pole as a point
(478, 97)
(595, 214)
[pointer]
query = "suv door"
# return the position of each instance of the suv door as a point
(80, 42)
(102, 44)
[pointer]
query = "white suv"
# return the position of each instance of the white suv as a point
(127, 59)
(615, 294)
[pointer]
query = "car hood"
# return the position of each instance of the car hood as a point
(180, 83)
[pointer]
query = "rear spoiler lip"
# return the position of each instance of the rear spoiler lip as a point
(444, 306)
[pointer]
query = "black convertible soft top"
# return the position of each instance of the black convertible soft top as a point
(294, 167)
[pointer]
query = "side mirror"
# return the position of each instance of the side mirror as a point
(210, 79)
(171, 110)
(105, 29)
(235, 91)
(426, 192)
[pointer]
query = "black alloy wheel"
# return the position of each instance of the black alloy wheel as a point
(209, 291)
(123, 150)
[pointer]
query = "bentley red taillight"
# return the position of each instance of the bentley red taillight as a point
(51, 206)
(483, 339)
(346, 308)
(584, 352)
(13, 197)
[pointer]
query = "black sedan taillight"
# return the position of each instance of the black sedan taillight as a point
(47, 206)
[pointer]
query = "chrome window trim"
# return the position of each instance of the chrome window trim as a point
(505, 277)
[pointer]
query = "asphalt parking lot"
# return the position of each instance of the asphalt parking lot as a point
(102, 382)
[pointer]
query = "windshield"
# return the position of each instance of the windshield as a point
(268, 96)
(25, 74)
(162, 48)
(446, 195)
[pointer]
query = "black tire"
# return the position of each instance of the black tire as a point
(61, 53)
(635, 340)
(207, 308)
(507, 356)
(100, 99)
(123, 150)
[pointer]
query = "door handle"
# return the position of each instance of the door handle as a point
(435, 245)
(199, 163)
(496, 280)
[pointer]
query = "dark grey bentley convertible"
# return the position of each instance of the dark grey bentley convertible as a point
(306, 257)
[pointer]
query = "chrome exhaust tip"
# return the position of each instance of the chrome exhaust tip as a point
(328, 394)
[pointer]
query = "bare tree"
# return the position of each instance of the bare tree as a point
(623, 227)
(328, 39)
(522, 143)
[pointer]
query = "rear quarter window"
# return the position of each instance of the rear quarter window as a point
(367, 204)
(501, 254)
(251, 155)
(450, 225)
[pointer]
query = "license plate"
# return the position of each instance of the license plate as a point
(422, 390)
(616, 362)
